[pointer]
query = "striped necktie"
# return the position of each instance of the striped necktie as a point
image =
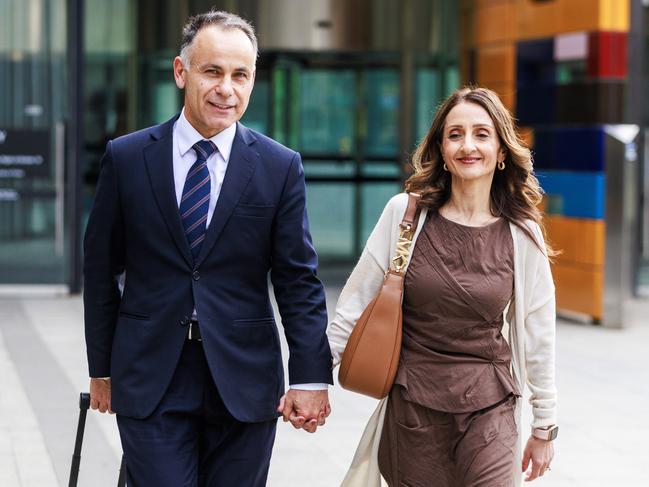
(196, 197)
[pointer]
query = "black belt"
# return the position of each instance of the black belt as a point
(194, 333)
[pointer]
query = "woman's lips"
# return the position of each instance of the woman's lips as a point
(469, 160)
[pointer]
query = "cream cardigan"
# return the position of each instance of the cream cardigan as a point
(530, 319)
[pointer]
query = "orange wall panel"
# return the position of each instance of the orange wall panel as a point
(579, 289)
(526, 134)
(552, 17)
(577, 15)
(537, 19)
(496, 63)
(495, 23)
(580, 240)
(506, 91)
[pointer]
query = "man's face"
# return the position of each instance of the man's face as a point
(218, 80)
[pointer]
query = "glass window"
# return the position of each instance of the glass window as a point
(428, 88)
(327, 109)
(382, 88)
(257, 116)
(374, 197)
(331, 214)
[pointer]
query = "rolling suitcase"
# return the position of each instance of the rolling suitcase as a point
(84, 405)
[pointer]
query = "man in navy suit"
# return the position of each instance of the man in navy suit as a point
(194, 214)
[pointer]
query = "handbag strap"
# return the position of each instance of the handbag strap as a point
(407, 229)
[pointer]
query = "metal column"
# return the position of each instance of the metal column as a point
(621, 217)
(74, 142)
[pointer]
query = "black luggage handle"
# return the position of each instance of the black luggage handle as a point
(84, 405)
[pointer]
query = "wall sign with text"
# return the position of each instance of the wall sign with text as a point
(24, 153)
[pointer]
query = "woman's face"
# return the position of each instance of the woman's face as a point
(470, 145)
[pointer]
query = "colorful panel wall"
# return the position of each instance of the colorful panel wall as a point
(565, 82)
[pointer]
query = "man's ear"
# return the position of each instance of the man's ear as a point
(179, 72)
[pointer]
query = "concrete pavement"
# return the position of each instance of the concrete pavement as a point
(601, 375)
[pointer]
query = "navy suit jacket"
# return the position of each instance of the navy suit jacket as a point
(259, 226)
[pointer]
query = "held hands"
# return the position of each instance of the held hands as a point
(100, 395)
(305, 409)
(540, 453)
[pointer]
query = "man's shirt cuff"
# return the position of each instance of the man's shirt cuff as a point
(316, 386)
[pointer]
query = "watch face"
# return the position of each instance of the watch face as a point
(553, 433)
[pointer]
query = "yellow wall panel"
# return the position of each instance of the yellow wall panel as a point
(496, 63)
(614, 15)
(496, 23)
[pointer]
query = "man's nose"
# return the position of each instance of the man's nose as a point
(224, 88)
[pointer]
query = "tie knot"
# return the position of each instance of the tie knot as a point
(204, 149)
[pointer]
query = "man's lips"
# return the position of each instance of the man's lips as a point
(220, 106)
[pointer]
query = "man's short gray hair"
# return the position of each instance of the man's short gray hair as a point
(219, 18)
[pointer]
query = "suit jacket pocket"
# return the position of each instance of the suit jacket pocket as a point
(254, 211)
(268, 321)
(134, 316)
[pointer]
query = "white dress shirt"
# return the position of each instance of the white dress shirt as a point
(184, 156)
(184, 138)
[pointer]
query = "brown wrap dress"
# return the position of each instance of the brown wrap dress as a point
(450, 417)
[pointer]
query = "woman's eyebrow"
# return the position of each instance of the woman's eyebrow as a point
(477, 125)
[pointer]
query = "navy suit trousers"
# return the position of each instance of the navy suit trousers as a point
(191, 439)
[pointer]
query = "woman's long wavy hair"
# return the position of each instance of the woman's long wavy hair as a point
(515, 191)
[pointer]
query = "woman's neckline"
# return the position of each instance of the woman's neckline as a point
(473, 227)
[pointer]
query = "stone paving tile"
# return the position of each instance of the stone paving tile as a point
(24, 460)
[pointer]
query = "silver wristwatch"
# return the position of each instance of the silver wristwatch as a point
(549, 433)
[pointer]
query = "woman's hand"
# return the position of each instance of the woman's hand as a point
(540, 452)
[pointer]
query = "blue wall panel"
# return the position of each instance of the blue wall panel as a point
(575, 194)
(535, 103)
(569, 148)
(535, 61)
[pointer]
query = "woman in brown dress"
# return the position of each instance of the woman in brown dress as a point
(451, 416)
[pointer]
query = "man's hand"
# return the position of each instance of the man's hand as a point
(305, 409)
(100, 395)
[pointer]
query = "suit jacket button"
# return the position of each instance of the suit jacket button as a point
(185, 321)
(196, 276)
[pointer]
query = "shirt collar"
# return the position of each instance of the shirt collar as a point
(188, 136)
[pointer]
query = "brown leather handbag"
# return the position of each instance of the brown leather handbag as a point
(371, 357)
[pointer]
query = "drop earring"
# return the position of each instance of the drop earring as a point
(501, 165)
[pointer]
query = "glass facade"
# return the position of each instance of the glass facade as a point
(334, 94)
(32, 120)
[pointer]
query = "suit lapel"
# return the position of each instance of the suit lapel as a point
(158, 157)
(241, 166)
